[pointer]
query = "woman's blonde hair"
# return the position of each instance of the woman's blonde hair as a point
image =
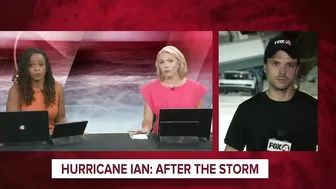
(178, 55)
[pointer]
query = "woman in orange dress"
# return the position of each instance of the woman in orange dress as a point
(35, 89)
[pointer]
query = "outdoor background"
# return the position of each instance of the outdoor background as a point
(244, 51)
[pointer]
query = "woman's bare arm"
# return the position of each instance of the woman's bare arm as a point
(61, 105)
(13, 100)
(147, 122)
(229, 148)
(200, 104)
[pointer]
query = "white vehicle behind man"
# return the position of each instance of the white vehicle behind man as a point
(239, 81)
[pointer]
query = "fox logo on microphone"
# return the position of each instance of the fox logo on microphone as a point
(277, 145)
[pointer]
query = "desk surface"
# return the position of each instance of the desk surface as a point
(112, 142)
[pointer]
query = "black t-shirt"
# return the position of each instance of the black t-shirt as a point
(260, 118)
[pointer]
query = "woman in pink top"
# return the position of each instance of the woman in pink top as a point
(171, 90)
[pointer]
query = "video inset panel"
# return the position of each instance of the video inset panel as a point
(106, 83)
(268, 85)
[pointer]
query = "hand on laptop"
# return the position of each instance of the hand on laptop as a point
(140, 131)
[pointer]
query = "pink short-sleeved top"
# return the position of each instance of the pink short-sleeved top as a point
(158, 96)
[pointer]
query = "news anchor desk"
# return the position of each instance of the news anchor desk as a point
(112, 142)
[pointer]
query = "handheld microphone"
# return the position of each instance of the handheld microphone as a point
(279, 143)
(280, 135)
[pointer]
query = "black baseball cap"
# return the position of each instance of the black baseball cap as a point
(281, 43)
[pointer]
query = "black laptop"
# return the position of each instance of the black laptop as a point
(69, 129)
(68, 133)
(181, 124)
(24, 127)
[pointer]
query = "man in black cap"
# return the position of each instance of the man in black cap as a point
(281, 118)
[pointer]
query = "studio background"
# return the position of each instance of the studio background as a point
(102, 72)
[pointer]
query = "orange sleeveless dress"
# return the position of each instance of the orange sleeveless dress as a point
(38, 105)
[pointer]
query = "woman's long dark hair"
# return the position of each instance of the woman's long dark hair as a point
(24, 81)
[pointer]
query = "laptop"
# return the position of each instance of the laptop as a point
(24, 127)
(184, 125)
(69, 129)
(70, 132)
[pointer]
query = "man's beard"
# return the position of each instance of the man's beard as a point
(281, 87)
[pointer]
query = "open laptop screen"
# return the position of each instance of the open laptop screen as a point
(26, 126)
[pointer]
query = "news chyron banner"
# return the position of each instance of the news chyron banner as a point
(158, 169)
